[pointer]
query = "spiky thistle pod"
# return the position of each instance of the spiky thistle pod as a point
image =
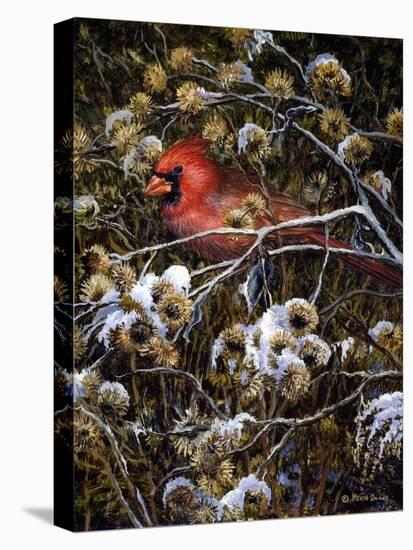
(254, 204)
(113, 400)
(295, 383)
(334, 123)
(214, 472)
(327, 76)
(87, 436)
(238, 219)
(160, 288)
(314, 185)
(161, 352)
(191, 97)
(233, 342)
(215, 129)
(239, 36)
(95, 287)
(280, 84)
(388, 336)
(302, 316)
(79, 343)
(126, 137)
(253, 141)
(91, 382)
(136, 337)
(129, 304)
(206, 512)
(124, 276)
(155, 79)
(248, 383)
(220, 377)
(61, 290)
(394, 123)
(73, 146)
(314, 352)
(140, 105)
(180, 59)
(279, 340)
(187, 444)
(174, 310)
(229, 73)
(180, 500)
(355, 149)
(97, 259)
(255, 505)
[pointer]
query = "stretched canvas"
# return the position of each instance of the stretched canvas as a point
(228, 274)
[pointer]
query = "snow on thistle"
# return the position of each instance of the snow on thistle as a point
(379, 432)
(235, 499)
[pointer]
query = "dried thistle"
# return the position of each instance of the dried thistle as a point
(94, 288)
(136, 337)
(238, 219)
(295, 383)
(61, 290)
(253, 141)
(97, 259)
(239, 36)
(174, 310)
(113, 400)
(233, 341)
(334, 123)
(79, 343)
(302, 316)
(394, 122)
(74, 145)
(280, 84)
(140, 105)
(254, 204)
(314, 352)
(215, 129)
(161, 352)
(181, 59)
(391, 338)
(228, 73)
(126, 137)
(327, 76)
(87, 435)
(155, 79)
(280, 340)
(124, 276)
(190, 97)
(355, 149)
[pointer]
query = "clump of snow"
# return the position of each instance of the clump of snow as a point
(245, 134)
(379, 328)
(174, 484)
(235, 498)
(385, 183)
(232, 427)
(117, 115)
(115, 387)
(179, 276)
(285, 360)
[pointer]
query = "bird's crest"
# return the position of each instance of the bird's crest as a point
(186, 150)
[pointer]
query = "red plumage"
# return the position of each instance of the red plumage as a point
(198, 198)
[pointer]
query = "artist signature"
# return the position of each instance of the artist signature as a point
(369, 497)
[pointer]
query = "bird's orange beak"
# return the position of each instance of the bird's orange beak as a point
(157, 187)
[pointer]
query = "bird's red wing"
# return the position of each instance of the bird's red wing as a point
(282, 206)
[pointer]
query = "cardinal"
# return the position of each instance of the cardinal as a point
(198, 194)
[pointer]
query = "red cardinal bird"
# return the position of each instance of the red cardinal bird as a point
(197, 194)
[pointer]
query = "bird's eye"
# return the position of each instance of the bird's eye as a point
(178, 169)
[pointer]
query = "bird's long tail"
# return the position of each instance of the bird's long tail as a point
(376, 268)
